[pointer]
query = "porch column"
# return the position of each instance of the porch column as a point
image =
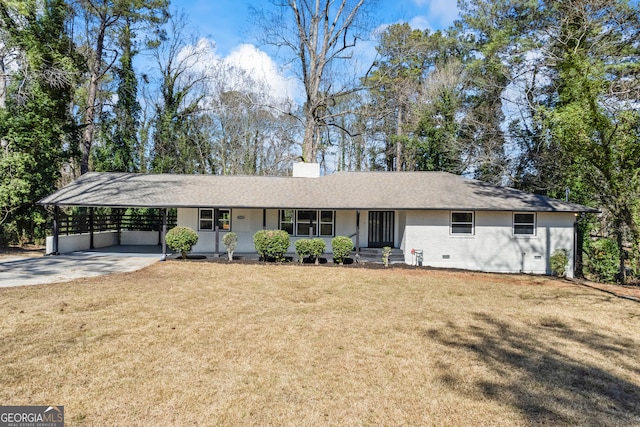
(358, 231)
(216, 225)
(164, 233)
(56, 230)
(91, 245)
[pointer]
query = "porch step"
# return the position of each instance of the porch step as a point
(375, 255)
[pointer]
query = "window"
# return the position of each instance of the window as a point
(224, 219)
(206, 219)
(326, 223)
(286, 220)
(524, 224)
(307, 222)
(462, 223)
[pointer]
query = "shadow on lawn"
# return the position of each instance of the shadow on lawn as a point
(546, 384)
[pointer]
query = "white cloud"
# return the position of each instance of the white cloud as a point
(262, 68)
(438, 14)
(420, 23)
(246, 68)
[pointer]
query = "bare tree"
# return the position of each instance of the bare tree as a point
(319, 35)
(178, 103)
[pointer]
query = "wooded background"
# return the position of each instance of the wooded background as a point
(542, 96)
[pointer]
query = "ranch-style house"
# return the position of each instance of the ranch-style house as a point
(433, 218)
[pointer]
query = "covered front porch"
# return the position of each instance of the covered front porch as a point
(128, 230)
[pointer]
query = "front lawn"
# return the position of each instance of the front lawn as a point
(196, 343)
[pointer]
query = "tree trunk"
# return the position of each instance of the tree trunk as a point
(399, 140)
(622, 274)
(3, 84)
(92, 94)
(309, 143)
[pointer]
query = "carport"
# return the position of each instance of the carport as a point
(21, 271)
(108, 218)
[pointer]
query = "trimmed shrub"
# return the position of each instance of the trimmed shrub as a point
(310, 248)
(603, 260)
(341, 247)
(303, 249)
(181, 239)
(230, 241)
(559, 262)
(386, 253)
(271, 244)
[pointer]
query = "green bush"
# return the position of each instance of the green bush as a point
(271, 244)
(230, 241)
(341, 247)
(559, 262)
(603, 260)
(181, 239)
(386, 253)
(310, 248)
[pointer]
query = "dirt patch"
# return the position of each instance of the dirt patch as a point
(628, 291)
(22, 251)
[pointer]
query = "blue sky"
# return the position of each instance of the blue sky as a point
(222, 27)
(226, 22)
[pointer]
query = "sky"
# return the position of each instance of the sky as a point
(225, 24)
(227, 21)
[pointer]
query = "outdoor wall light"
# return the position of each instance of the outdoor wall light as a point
(240, 217)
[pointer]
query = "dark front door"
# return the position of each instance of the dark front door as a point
(381, 229)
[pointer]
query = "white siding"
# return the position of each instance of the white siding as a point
(244, 222)
(492, 247)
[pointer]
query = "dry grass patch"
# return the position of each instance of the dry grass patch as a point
(214, 344)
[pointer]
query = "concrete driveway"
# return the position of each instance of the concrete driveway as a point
(16, 271)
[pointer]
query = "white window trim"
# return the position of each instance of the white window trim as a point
(514, 223)
(473, 224)
(214, 221)
(317, 223)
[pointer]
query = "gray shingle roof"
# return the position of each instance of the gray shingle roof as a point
(342, 190)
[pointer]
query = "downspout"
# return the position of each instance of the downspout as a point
(264, 219)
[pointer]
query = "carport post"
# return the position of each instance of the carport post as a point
(56, 230)
(164, 233)
(91, 245)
